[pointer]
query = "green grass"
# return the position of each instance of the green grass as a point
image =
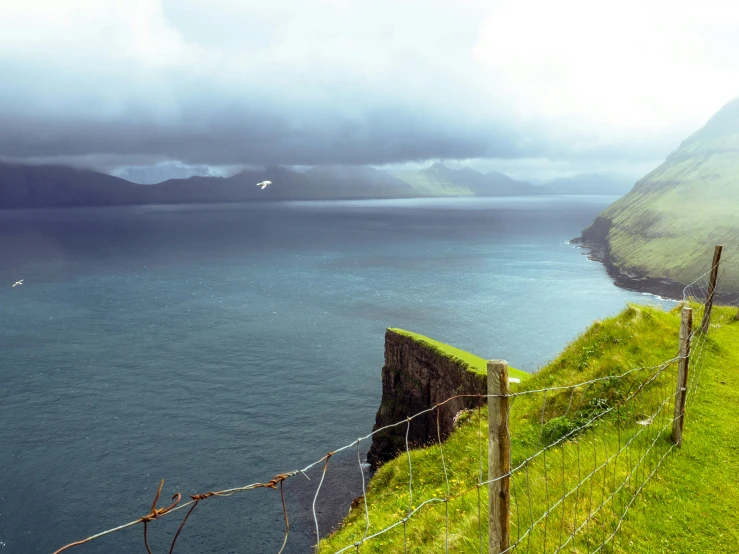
(687, 507)
(473, 362)
(691, 506)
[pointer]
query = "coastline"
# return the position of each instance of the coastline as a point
(597, 251)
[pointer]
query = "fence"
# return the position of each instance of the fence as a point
(564, 463)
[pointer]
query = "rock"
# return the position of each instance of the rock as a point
(417, 377)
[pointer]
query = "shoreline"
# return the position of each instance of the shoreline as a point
(636, 281)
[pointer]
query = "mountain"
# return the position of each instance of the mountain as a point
(319, 183)
(358, 182)
(661, 234)
(589, 183)
(36, 186)
(39, 186)
(439, 180)
(44, 186)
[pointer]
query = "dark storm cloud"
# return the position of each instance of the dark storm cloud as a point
(113, 83)
(259, 134)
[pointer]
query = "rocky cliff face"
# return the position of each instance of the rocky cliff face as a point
(416, 377)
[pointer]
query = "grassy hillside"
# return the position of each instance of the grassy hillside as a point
(666, 226)
(687, 507)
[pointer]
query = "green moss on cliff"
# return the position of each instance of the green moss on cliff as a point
(473, 362)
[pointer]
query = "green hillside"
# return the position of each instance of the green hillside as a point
(666, 226)
(689, 506)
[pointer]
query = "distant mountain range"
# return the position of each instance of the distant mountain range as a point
(36, 186)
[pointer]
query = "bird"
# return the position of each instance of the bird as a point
(264, 184)
(17, 283)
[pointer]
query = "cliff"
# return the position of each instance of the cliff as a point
(418, 374)
(661, 234)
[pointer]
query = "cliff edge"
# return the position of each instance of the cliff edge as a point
(419, 373)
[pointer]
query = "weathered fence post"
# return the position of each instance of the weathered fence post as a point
(499, 457)
(686, 328)
(711, 289)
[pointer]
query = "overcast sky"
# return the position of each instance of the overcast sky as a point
(571, 85)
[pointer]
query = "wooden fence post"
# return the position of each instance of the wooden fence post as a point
(499, 457)
(711, 289)
(686, 327)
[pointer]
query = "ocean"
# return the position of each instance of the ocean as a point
(215, 346)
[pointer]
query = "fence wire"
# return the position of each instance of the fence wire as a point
(572, 482)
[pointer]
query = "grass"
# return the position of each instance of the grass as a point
(691, 505)
(687, 507)
(473, 362)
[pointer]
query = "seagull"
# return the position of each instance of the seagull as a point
(264, 184)
(18, 283)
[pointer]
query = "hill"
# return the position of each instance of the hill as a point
(656, 236)
(439, 180)
(688, 506)
(46, 186)
(357, 182)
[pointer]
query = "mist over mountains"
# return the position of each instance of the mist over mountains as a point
(32, 186)
(160, 172)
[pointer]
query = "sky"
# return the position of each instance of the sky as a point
(530, 87)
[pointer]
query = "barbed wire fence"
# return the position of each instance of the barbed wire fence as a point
(564, 464)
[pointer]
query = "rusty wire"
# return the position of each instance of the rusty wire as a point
(156, 513)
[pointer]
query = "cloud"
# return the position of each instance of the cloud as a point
(108, 82)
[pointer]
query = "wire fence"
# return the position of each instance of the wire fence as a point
(579, 456)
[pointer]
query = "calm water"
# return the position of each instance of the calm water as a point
(216, 346)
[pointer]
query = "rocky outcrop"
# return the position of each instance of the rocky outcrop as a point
(417, 377)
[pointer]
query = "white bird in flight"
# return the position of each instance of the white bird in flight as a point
(264, 184)
(18, 283)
